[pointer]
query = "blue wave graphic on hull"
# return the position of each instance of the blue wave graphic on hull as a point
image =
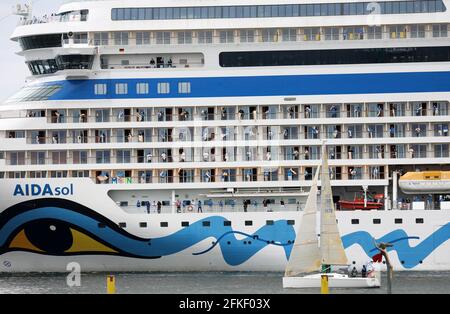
(236, 247)
(235, 252)
(411, 256)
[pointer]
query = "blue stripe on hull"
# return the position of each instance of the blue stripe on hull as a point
(326, 84)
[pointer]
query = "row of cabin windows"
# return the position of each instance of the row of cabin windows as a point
(377, 221)
(227, 223)
(272, 11)
(272, 35)
(204, 223)
(142, 88)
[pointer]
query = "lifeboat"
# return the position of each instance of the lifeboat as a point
(425, 182)
(358, 203)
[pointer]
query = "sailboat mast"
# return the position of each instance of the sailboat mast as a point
(331, 246)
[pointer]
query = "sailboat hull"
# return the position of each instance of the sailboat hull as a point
(334, 281)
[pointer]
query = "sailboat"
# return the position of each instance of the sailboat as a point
(310, 258)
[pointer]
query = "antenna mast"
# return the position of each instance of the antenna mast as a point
(23, 10)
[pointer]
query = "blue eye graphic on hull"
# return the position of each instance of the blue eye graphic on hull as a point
(59, 227)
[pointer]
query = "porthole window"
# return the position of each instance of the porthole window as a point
(206, 224)
(249, 223)
(419, 220)
(269, 222)
(143, 225)
(291, 222)
(185, 224)
(164, 224)
(122, 225)
(376, 221)
(227, 223)
(355, 221)
(398, 221)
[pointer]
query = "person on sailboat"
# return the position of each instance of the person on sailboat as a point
(364, 271)
(354, 272)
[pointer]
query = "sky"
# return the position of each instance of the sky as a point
(13, 69)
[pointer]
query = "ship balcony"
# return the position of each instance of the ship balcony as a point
(182, 137)
(209, 116)
(165, 177)
(137, 59)
(72, 16)
(311, 36)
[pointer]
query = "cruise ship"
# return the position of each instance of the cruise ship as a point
(183, 135)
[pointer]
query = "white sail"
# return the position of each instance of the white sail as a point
(305, 254)
(331, 247)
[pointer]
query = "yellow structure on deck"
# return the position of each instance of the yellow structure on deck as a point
(425, 182)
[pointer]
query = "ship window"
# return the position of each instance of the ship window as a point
(185, 223)
(184, 38)
(340, 56)
(206, 224)
(247, 36)
(142, 88)
(398, 220)
(39, 93)
(100, 89)
(355, 221)
(74, 62)
(269, 222)
(40, 41)
(143, 225)
(39, 67)
(122, 225)
(142, 38)
(163, 38)
(377, 221)
(163, 88)
(419, 220)
(184, 88)
(227, 223)
(291, 222)
(255, 11)
(205, 37)
(101, 39)
(249, 223)
(164, 224)
(121, 88)
(226, 37)
(101, 225)
(120, 38)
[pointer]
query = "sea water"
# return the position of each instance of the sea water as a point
(206, 283)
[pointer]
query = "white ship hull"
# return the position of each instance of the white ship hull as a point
(205, 245)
